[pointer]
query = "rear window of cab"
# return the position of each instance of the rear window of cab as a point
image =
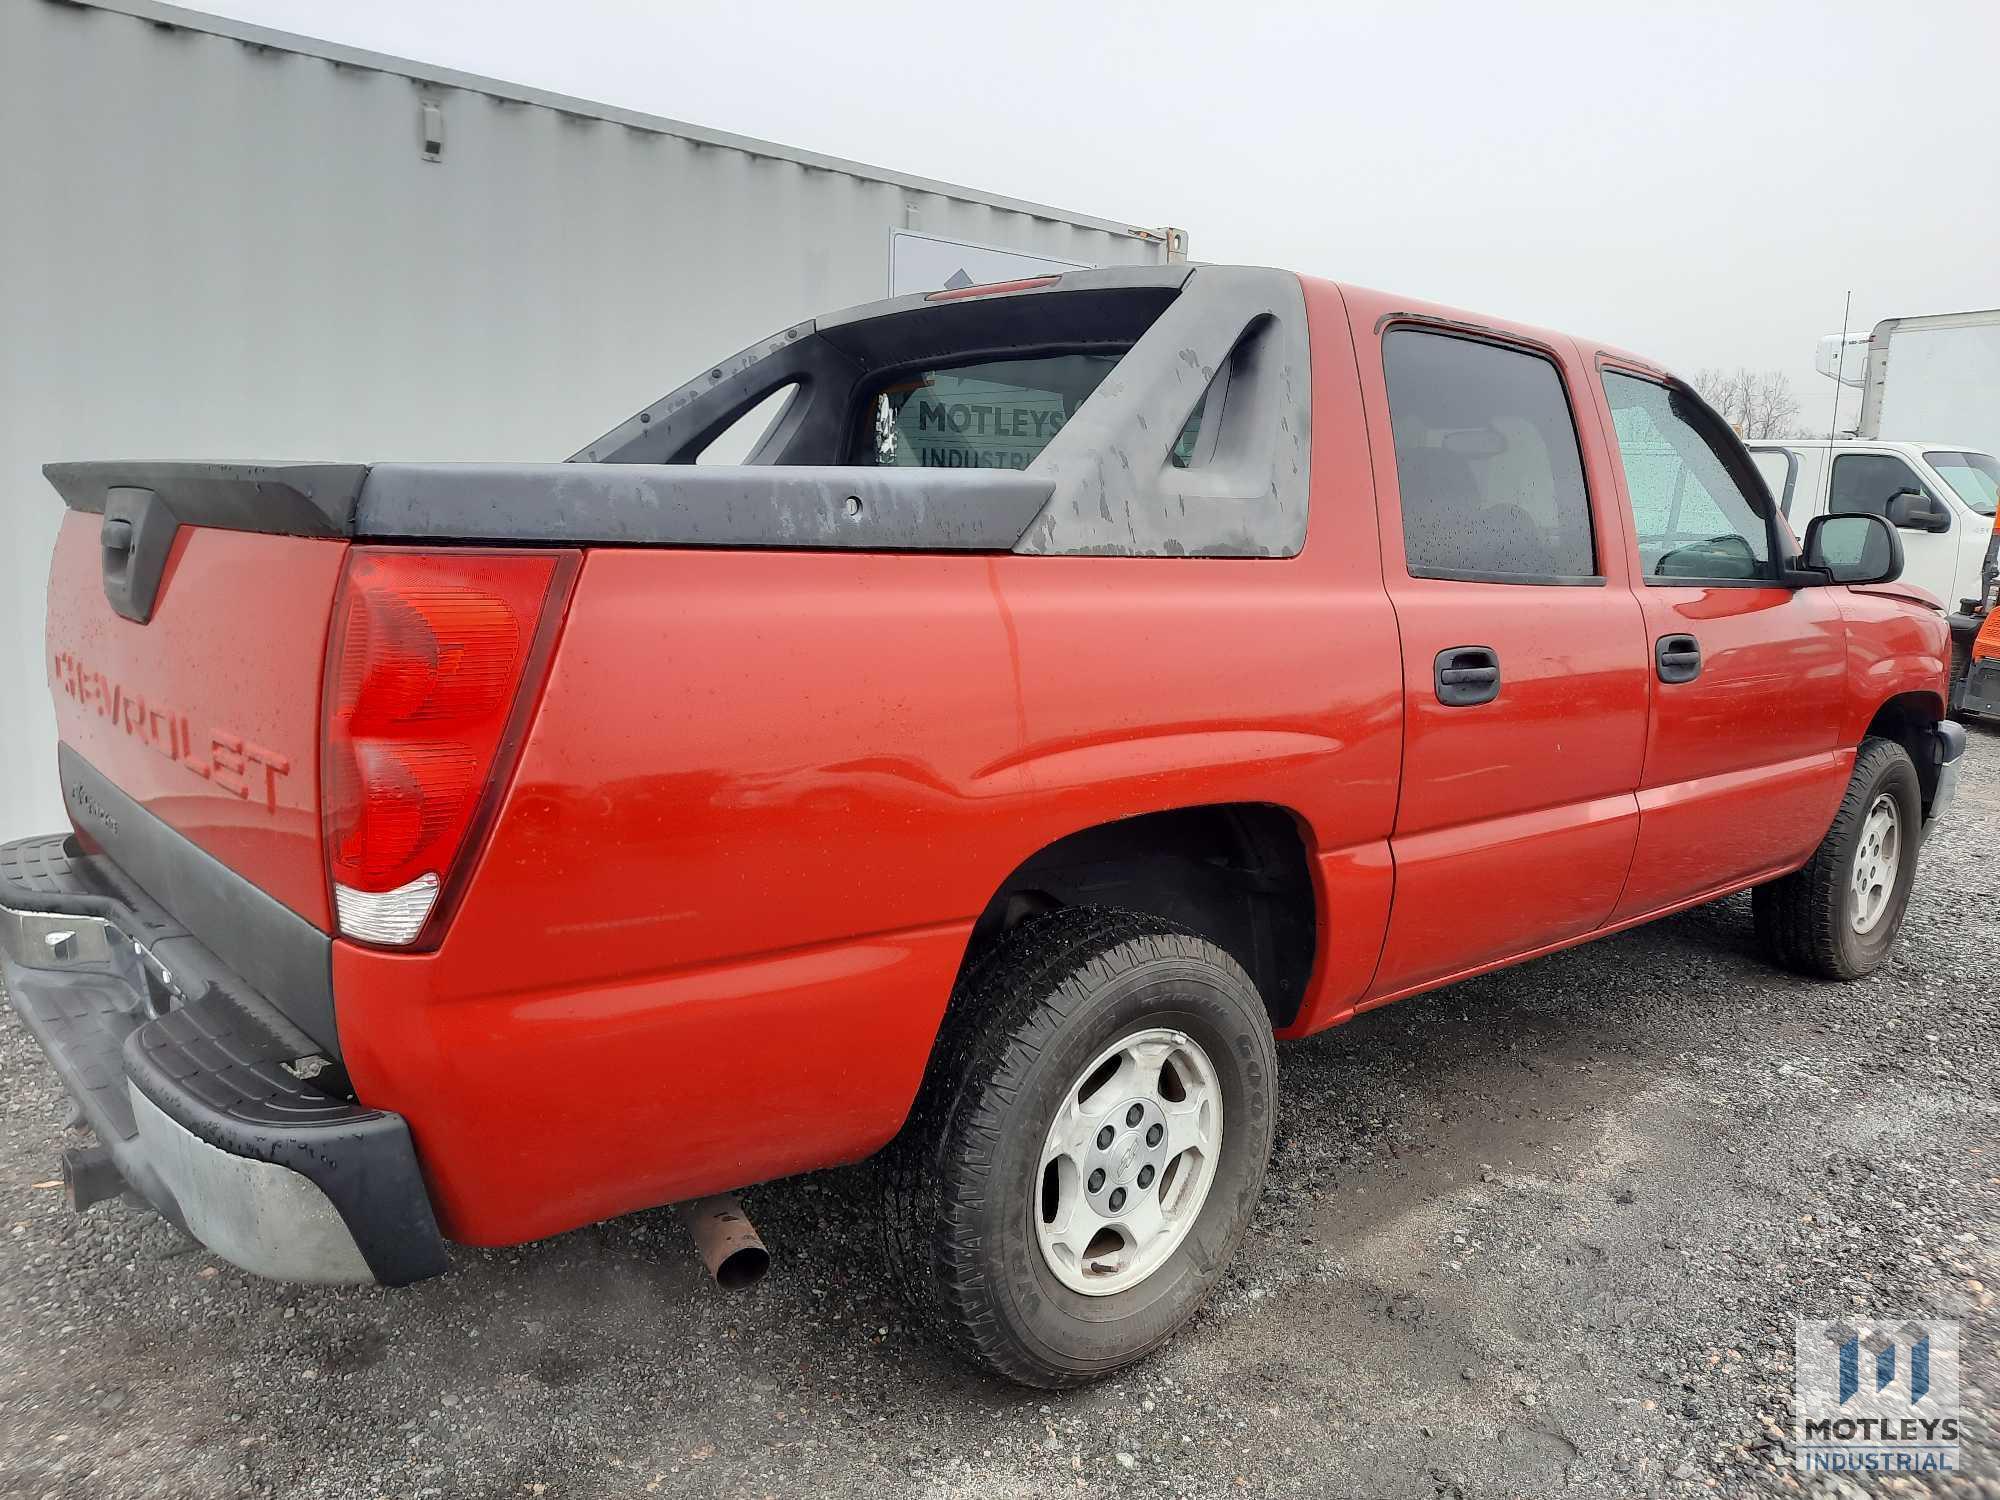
(985, 414)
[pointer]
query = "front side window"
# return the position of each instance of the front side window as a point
(1692, 518)
(1864, 483)
(1486, 461)
(1974, 476)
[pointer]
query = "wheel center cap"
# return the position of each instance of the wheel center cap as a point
(1128, 1159)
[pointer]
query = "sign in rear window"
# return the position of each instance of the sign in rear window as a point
(998, 414)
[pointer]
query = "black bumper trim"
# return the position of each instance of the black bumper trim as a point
(284, 956)
(217, 1068)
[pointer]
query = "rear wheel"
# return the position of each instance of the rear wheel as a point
(1085, 1155)
(1838, 916)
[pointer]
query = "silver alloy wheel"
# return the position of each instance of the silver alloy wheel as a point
(1878, 855)
(1128, 1161)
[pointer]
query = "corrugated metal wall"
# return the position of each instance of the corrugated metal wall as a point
(219, 242)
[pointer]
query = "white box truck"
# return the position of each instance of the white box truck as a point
(1933, 379)
(1930, 387)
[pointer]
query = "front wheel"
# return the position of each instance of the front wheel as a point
(1838, 916)
(1088, 1147)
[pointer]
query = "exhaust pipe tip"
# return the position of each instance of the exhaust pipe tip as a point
(89, 1175)
(727, 1241)
(743, 1269)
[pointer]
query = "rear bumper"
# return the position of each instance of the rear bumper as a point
(202, 1092)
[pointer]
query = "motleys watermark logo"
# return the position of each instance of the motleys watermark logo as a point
(1877, 1397)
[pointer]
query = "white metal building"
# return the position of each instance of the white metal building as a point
(219, 241)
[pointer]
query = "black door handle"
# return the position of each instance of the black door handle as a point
(1677, 658)
(1465, 675)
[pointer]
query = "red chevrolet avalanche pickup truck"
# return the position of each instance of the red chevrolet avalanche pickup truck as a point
(1084, 681)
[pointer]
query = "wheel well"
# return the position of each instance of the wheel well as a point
(1908, 719)
(1236, 873)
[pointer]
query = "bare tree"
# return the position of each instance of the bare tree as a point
(1757, 404)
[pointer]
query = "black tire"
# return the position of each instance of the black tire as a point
(963, 1182)
(1803, 919)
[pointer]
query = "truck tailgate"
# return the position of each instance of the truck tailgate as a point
(207, 713)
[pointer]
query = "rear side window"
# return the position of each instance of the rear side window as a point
(1486, 462)
(1692, 518)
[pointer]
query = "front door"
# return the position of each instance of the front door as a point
(1863, 482)
(1743, 766)
(1525, 687)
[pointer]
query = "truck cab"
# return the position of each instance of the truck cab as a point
(1940, 497)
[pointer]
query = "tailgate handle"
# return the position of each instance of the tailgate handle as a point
(137, 534)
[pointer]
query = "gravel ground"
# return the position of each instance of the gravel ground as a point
(1543, 1233)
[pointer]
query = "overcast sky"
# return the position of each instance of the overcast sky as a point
(1701, 183)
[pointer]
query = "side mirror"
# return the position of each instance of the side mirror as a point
(1853, 549)
(1912, 510)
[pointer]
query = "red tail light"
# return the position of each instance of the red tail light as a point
(430, 672)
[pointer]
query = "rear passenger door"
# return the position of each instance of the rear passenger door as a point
(1743, 767)
(1525, 680)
